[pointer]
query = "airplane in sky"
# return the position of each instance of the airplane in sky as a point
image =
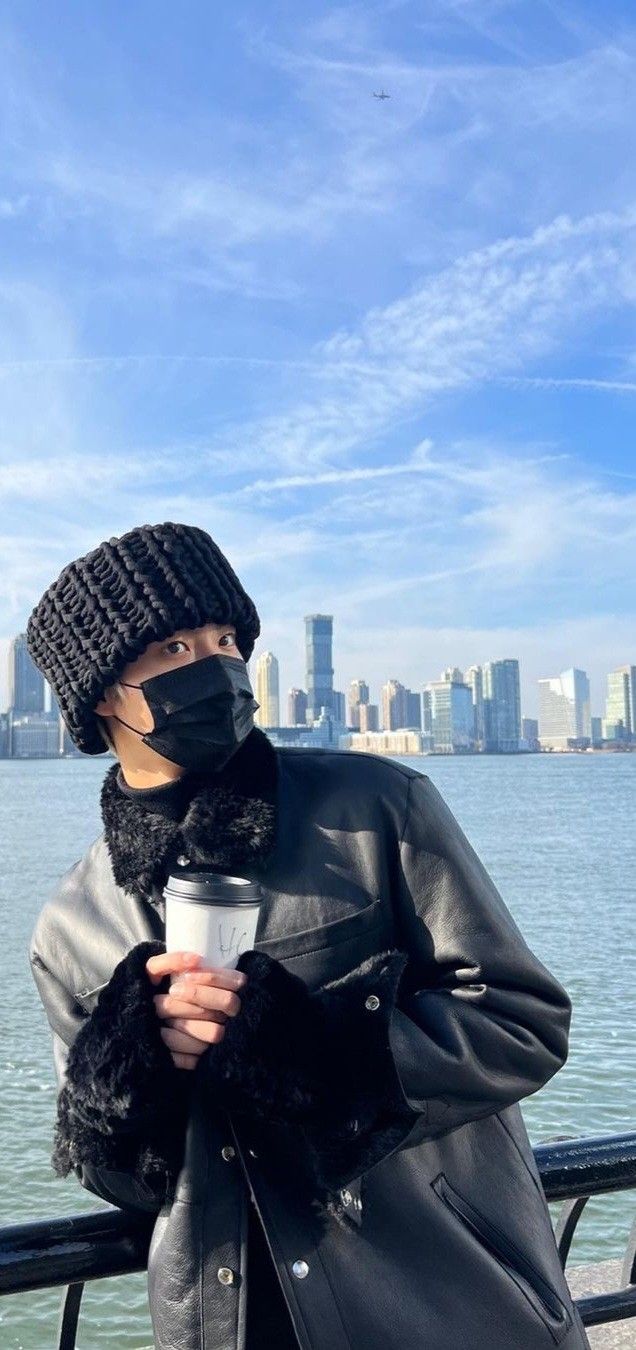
(382, 95)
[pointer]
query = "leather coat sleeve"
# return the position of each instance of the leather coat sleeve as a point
(481, 1022)
(120, 1124)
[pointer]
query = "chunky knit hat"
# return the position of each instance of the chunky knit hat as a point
(105, 608)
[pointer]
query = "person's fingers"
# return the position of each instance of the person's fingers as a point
(183, 1061)
(168, 1006)
(171, 963)
(180, 999)
(186, 1033)
(216, 978)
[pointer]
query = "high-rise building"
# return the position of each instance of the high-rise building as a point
(369, 717)
(267, 691)
(447, 716)
(26, 682)
(394, 705)
(597, 730)
(319, 661)
(564, 711)
(358, 693)
(620, 704)
(340, 707)
(413, 710)
(474, 678)
(453, 675)
(530, 733)
(502, 706)
(297, 708)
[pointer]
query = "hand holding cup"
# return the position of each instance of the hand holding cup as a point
(195, 1010)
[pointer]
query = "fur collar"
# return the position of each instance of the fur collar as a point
(230, 822)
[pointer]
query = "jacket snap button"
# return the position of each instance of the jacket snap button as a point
(372, 1002)
(182, 861)
(224, 1275)
(300, 1269)
(346, 1197)
(227, 1152)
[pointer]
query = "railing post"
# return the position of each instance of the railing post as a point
(69, 1316)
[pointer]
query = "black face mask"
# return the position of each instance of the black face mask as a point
(202, 712)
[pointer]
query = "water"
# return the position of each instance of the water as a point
(556, 834)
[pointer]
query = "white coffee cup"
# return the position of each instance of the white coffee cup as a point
(211, 913)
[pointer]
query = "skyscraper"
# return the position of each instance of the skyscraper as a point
(369, 717)
(564, 711)
(267, 691)
(358, 693)
(394, 705)
(297, 708)
(620, 704)
(502, 706)
(319, 661)
(26, 682)
(414, 710)
(447, 715)
(474, 678)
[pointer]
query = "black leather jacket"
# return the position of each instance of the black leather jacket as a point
(412, 1214)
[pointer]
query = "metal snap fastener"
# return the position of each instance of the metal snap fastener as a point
(300, 1269)
(227, 1152)
(182, 861)
(372, 1002)
(357, 1204)
(224, 1275)
(346, 1197)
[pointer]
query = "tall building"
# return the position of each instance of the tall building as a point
(26, 682)
(474, 678)
(319, 662)
(453, 675)
(369, 717)
(530, 733)
(297, 708)
(413, 710)
(394, 705)
(267, 691)
(340, 707)
(447, 716)
(620, 704)
(502, 706)
(358, 693)
(564, 711)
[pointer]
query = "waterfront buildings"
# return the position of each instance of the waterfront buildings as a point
(402, 742)
(319, 663)
(502, 706)
(358, 694)
(369, 717)
(26, 683)
(267, 691)
(474, 678)
(447, 715)
(564, 711)
(620, 705)
(297, 708)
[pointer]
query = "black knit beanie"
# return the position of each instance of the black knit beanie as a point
(105, 608)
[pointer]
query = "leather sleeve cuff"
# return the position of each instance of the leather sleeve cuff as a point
(123, 1104)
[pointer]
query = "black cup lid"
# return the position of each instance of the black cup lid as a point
(200, 884)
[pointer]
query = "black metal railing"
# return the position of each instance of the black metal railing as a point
(70, 1251)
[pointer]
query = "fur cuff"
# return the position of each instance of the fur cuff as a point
(123, 1104)
(321, 1060)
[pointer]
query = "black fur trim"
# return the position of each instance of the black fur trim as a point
(230, 821)
(322, 1061)
(123, 1104)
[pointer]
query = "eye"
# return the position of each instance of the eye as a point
(232, 638)
(176, 642)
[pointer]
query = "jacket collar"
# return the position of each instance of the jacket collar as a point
(229, 824)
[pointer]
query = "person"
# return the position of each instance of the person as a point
(328, 1139)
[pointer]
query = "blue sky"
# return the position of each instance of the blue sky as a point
(384, 351)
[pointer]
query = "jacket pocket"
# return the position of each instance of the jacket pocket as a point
(532, 1284)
